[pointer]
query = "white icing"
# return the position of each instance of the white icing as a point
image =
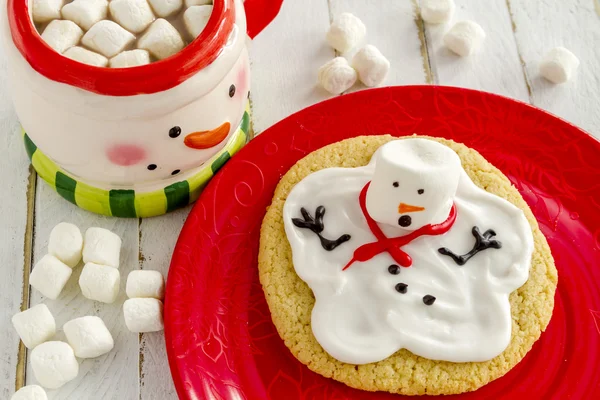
(358, 315)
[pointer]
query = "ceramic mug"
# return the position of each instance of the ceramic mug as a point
(140, 141)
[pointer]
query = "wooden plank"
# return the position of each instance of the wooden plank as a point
(542, 25)
(495, 68)
(392, 27)
(114, 375)
(17, 190)
(285, 58)
(157, 240)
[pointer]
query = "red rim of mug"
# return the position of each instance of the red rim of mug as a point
(146, 79)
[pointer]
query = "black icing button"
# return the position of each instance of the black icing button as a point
(394, 269)
(428, 299)
(405, 221)
(401, 288)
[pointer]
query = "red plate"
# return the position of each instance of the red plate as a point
(220, 339)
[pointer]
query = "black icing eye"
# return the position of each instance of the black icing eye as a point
(175, 172)
(395, 184)
(231, 90)
(174, 131)
(152, 167)
(421, 191)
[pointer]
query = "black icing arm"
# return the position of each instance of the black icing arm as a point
(482, 242)
(316, 226)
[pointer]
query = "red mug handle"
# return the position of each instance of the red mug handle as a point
(259, 14)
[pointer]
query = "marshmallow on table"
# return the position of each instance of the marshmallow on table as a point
(162, 40)
(86, 57)
(30, 392)
(372, 67)
(195, 19)
(145, 283)
(437, 11)
(337, 76)
(133, 15)
(165, 8)
(66, 243)
(559, 65)
(60, 35)
(54, 364)
(102, 246)
(46, 10)
(107, 38)
(99, 282)
(35, 325)
(189, 3)
(85, 13)
(88, 336)
(464, 38)
(346, 32)
(49, 276)
(143, 315)
(130, 58)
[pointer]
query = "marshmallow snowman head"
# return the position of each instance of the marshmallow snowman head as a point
(414, 183)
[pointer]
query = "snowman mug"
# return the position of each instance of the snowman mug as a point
(139, 141)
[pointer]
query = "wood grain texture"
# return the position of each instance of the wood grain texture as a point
(113, 375)
(285, 58)
(157, 240)
(575, 24)
(393, 29)
(495, 67)
(13, 220)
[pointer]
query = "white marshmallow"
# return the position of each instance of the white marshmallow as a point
(559, 65)
(372, 67)
(66, 242)
(30, 392)
(86, 13)
(346, 32)
(437, 11)
(165, 8)
(88, 336)
(130, 58)
(195, 19)
(107, 38)
(413, 177)
(54, 364)
(86, 57)
(145, 283)
(46, 10)
(49, 276)
(162, 40)
(99, 282)
(61, 35)
(35, 325)
(143, 315)
(464, 38)
(133, 15)
(190, 3)
(102, 246)
(337, 76)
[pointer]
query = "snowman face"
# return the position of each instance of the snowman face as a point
(414, 183)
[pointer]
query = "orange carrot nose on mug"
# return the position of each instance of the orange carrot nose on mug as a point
(138, 141)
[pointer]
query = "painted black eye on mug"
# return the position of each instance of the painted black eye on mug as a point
(231, 90)
(395, 184)
(174, 131)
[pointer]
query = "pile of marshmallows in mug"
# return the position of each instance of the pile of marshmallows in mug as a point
(371, 67)
(54, 362)
(122, 33)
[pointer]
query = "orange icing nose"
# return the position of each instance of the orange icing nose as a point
(207, 139)
(404, 208)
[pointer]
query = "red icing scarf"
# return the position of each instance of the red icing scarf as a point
(392, 245)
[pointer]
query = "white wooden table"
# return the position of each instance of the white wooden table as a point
(285, 58)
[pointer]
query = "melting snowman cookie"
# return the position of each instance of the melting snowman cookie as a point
(410, 267)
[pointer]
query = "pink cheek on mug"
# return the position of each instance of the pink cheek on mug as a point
(242, 82)
(125, 154)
